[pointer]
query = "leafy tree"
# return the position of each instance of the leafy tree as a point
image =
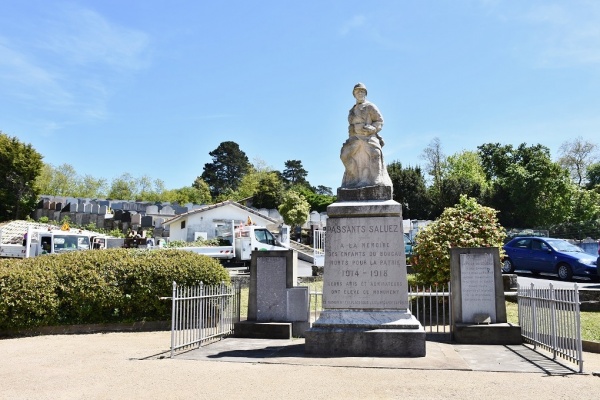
(294, 208)
(528, 189)
(593, 177)
(149, 190)
(294, 173)
(576, 156)
(269, 193)
(453, 187)
(20, 165)
(57, 181)
(127, 187)
(91, 187)
(250, 183)
(466, 165)
(325, 190)
(585, 205)
(123, 187)
(409, 190)
(228, 167)
(435, 164)
(187, 194)
(576, 230)
(317, 202)
(65, 181)
(435, 161)
(467, 224)
(205, 197)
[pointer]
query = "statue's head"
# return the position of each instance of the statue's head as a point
(359, 86)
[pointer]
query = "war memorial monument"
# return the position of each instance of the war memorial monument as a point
(365, 296)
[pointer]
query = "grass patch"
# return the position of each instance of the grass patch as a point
(244, 295)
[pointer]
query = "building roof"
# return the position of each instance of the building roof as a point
(217, 205)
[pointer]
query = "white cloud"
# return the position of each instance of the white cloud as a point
(25, 79)
(558, 33)
(570, 34)
(83, 36)
(356, 22)
(67, 68)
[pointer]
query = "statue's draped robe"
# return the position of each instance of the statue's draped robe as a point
(361, 153)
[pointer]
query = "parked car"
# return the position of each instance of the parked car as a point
(548, 255)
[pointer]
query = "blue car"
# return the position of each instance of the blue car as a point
(548, 255)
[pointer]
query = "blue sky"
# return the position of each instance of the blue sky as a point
(149, 87)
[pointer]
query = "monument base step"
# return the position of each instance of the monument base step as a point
(348, 342)
(504, 333)
(269, 330)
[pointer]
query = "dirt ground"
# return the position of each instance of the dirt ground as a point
(129, 365)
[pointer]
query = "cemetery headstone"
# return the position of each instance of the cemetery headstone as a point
(147, 221)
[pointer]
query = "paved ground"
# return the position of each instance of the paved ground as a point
(136, 365)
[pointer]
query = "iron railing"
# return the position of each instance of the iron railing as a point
(203, 314)
(430, 305)
(550, 318)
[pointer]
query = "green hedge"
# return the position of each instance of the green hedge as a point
(114, 285)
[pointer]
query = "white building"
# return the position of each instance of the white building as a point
(204, 221)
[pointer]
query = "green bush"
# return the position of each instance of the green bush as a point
(467, 224)
(114, 285)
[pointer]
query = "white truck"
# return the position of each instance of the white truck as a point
(38, 242)
(243, 241)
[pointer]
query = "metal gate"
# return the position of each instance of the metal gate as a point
(430, 305)
(203, 314)
(319, 247)
(550, 318)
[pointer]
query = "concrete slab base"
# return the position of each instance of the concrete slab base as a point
(372, 333)
(336, 342)
(269, 330)
(487, 334)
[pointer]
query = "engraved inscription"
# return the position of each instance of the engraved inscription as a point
(478, 289)
(365, 266)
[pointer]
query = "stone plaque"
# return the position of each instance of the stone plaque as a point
(365, 265)
(271, 289)
(478, 286)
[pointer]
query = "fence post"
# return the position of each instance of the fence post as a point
(173, 300)
(534, 316)
(578, 329)
(553, 320)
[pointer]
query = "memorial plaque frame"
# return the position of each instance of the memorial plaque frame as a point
(471, 274)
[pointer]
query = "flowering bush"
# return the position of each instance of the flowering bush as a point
(467, 224)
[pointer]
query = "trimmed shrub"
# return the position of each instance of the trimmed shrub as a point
(467, 224)
(114, 285)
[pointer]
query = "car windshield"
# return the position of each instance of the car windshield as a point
(64, 243)
(563, 245)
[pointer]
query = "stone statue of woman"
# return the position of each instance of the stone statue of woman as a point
(361, 153)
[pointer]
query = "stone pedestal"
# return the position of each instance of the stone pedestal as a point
(365, 294)
(277, 308)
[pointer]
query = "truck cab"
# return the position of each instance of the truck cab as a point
(40, 242)
(254, 238)
(59, 242)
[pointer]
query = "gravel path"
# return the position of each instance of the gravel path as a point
(128, 365)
